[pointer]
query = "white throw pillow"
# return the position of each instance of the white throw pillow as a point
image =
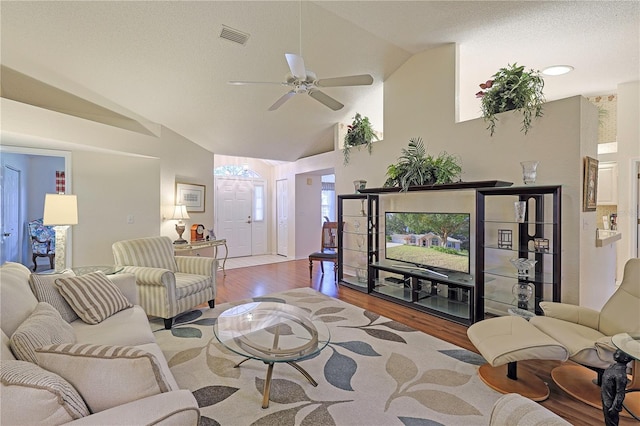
(105, 376)
(44, 327)
(34, 396)
(42, 286)
(92, 296)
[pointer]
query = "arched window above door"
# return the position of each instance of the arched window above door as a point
(231, 170)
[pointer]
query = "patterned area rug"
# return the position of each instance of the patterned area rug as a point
(375, 371)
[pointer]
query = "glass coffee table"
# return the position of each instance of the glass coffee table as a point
(273, 333)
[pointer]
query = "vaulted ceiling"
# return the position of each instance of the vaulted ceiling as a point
(164, 62)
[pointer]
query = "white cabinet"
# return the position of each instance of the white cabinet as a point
(608, 183)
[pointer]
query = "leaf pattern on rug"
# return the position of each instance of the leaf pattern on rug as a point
(339, 370)
(358, 347)
(211, 395)
(382, 334)
(414, 421)
(465, 356)
(186, 332)
(187, 317)
(283, 391)
(206, 421)
(403, 370)
(185, 356)
(223, 367)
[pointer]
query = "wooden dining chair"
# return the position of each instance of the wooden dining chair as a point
(328, 248)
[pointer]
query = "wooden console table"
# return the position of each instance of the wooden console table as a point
(204, 248)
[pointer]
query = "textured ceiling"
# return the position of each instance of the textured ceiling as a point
(164, 62)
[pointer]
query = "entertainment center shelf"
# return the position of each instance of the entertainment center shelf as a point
(459, 297)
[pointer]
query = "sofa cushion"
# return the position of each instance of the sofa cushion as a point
(129, 327)
(16, 299)
(105, 376)
(44, 327)
(6, 353)
(92, 296)
(51, 399)
(43, 288)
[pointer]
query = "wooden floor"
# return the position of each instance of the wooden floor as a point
(262, 280)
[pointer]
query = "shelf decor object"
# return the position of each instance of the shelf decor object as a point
(523, 292)
(524, 266)
(541, 245)
(505, 238)
(529, 171)
(520, 210)
(590, 185)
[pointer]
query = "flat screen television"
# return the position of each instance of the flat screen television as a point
(435, 241)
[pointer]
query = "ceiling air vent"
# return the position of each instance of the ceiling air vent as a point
(234, 35)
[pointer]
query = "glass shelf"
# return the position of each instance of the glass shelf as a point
(547, 278)
(513, 222)
(495, 247)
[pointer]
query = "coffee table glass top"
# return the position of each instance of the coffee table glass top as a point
(271, 332)
(627, 343)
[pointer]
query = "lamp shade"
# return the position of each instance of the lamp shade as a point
(180, 212)
(60, 209)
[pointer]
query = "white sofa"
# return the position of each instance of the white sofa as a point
(34, 404)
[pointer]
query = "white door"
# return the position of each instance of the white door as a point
(282, 202)
(234, 215)
(10, 214)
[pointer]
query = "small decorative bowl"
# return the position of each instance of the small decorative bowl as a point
(523, 266)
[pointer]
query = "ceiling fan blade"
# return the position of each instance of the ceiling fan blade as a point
(244, 83)
(296, 65)
(325, 99)
(284, 98)
(352, 80)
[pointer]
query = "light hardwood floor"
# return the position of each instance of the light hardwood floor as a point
(265, 279)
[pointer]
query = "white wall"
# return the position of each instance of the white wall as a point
(121, 172)
(628, 155)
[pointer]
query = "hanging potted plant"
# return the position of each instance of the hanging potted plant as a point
(359, 133)
(415, 167)
(512, 88)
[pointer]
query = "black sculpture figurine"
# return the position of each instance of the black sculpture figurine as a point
(614, 384)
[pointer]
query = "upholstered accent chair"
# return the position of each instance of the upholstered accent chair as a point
(167, 284)
(586, 333)
(43, 242)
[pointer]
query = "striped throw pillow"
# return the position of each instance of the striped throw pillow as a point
(32, 395)
(106, 376)
(93, 296)
(44, 290)
(43, 327)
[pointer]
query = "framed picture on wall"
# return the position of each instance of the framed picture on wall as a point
(191, 195)
(590, 185)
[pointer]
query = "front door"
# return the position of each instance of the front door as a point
(234, 214)
(10, 214)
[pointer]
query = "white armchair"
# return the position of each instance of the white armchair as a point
(586, 333)
(167, 284)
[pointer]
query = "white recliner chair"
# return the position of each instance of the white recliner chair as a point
(586, 333)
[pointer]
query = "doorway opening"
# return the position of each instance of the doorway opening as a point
(328, 196)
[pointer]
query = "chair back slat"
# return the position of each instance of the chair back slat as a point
(329, 235)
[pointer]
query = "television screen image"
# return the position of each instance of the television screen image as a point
(437, 241)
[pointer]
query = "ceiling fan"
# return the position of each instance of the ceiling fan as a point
(301, 80)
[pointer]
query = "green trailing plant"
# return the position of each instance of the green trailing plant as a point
(415, 167)
(512, 88)
(359, 133)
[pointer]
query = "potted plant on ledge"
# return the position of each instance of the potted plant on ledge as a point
(359, 133)
(415, 167)
(512, 88)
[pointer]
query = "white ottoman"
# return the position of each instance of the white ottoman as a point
(503, 341)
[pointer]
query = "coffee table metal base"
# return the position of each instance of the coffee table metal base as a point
(267, 382)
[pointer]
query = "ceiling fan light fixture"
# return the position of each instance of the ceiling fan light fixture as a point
(233, 35)
(557, 70)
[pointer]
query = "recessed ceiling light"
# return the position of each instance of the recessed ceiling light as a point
(557, 70)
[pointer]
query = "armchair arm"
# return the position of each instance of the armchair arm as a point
(169, 408)
(153, 276)
(197, 265)
(572, 313)
(127, 285)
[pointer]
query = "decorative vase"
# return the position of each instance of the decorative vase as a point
(359, 184)
(522, 292)
(529, 171)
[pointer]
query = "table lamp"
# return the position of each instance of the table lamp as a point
(179, 214)
(60, 211)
